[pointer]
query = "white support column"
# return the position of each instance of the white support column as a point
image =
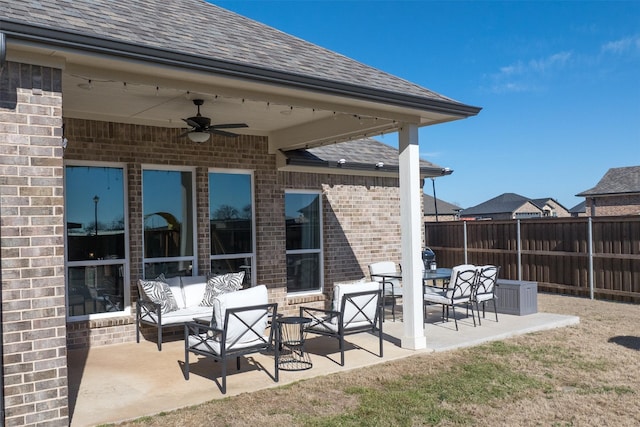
(410, 219)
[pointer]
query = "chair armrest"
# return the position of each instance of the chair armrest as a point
(196, 328)
(433, 289)
(148, 306)
(318, 315)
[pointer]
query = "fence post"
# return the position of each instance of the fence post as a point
(519, 245)
(590, 237)
(465, 241)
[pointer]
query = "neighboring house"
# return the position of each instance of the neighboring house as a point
(515, 206)
(102, 185)
(579, 210)
(617, 193)
(445, 211)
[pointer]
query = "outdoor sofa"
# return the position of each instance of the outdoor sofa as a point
(174, 301)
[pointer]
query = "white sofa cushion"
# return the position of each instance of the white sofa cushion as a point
(183, 315)
(176, 289)
(236, 330)
(193, 288)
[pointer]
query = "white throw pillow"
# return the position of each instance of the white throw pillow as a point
(158, 291)
(221, 284)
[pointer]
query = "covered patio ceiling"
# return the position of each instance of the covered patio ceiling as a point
(291, 118)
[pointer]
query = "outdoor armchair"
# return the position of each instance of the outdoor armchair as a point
(459, 291)
(355, 308)
(238, 327)
(485, 289)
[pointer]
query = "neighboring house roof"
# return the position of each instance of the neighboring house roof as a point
(444, 208)
(579, 208)
(509, 203)
(504, 203)
(360, 155)
(541, 203)
(200, 33)
(623, 180)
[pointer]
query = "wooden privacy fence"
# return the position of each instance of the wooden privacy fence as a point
(597, 257)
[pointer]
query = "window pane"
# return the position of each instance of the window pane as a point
(169, 269)
(302, 221)
(94, 203)
(230, 213)
(95, 289)
(233, 265)
(303, 272)
(168, 212)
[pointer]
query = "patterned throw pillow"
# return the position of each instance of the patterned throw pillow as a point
(221, 284)
(158, 291)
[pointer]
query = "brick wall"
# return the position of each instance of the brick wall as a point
(31, 211)
(361, 214)
(613, 205)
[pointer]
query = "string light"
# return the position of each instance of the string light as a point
(392, 127)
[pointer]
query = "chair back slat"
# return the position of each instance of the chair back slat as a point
(243, 315)
(360, 308)
(246, 325)
(463, 278)
(487, 278)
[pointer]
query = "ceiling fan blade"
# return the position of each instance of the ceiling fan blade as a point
(230, 126)
(191, 123)
(222, 132)
(183, 134)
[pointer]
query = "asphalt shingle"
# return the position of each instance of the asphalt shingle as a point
(201, 29)
(616, 181)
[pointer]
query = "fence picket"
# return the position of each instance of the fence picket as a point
(555, 252)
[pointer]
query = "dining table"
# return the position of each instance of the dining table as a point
(428, 275)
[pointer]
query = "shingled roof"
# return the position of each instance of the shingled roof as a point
(504, 203)
(623, 180)
(199, 31)
(444, 208)
(362, 155)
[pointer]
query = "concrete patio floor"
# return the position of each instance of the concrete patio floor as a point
(125, 381)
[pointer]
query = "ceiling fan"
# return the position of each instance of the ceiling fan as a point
(201, 126)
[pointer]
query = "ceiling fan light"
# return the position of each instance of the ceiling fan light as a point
(198, 137)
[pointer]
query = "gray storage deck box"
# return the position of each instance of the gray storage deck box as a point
(517, 297)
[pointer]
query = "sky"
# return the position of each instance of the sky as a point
(558, 83)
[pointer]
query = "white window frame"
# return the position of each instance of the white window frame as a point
(319, 251)
(194, 203)
(252, 255)
(90, 263)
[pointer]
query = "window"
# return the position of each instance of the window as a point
(232, 223)
(96, 240)
(303, 224)
(169, 231)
